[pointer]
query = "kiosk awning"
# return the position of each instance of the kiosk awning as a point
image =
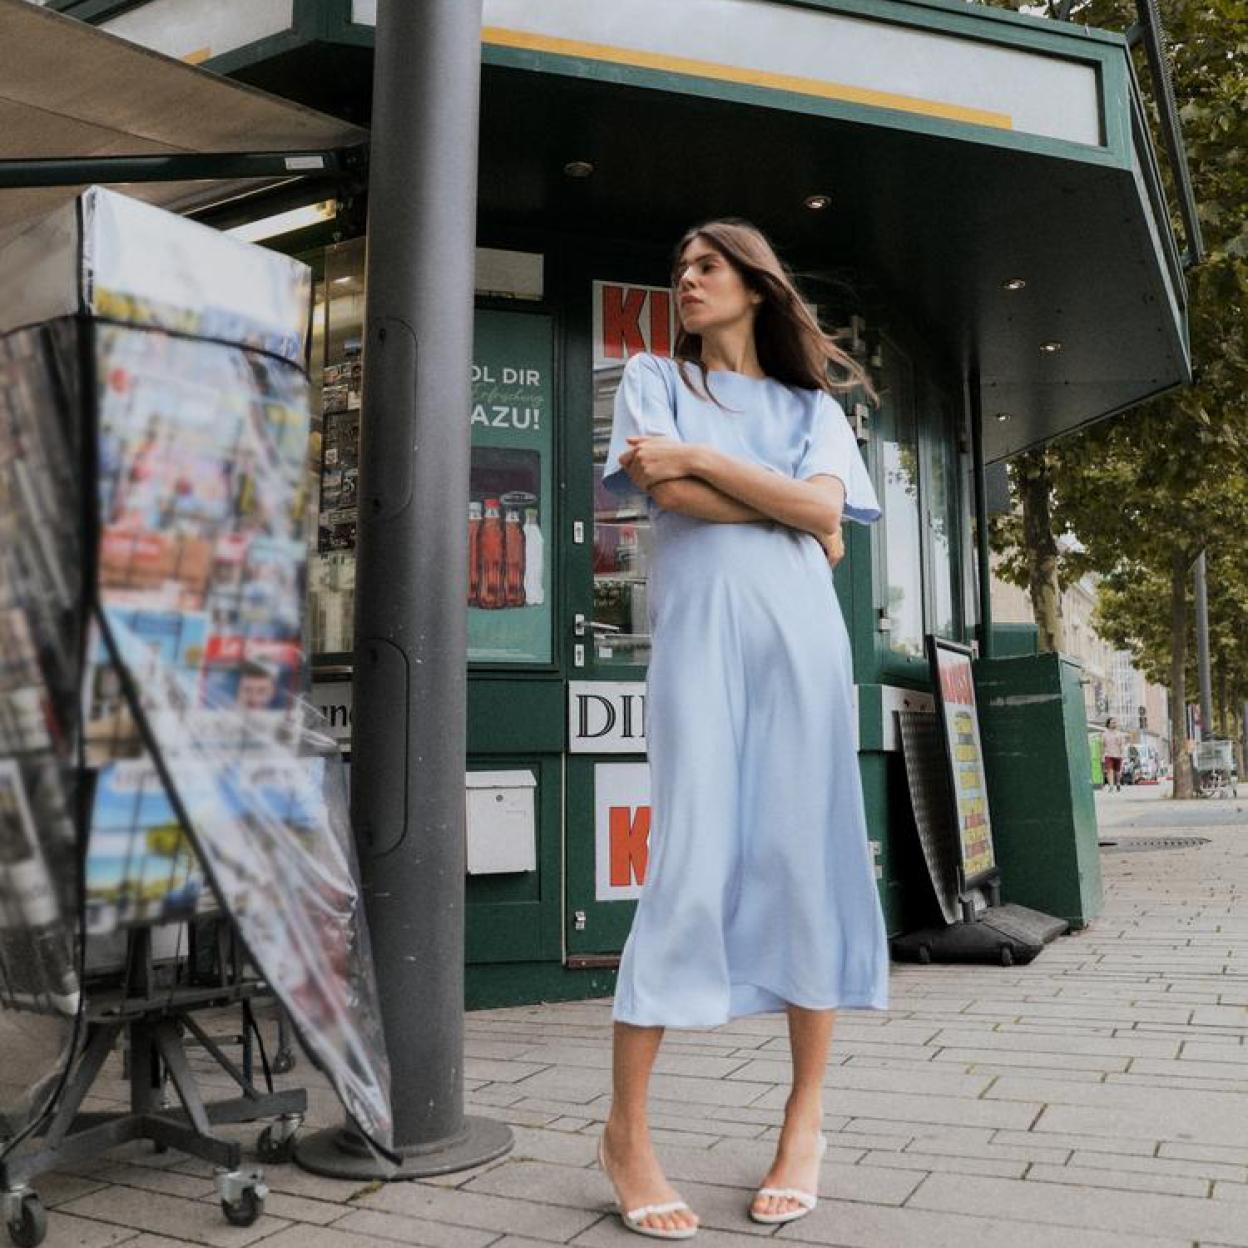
(72, 92)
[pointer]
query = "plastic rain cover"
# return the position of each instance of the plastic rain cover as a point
(193, 707)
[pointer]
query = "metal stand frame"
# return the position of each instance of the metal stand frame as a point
(155, 1023)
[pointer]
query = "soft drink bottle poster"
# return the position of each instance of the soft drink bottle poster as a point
(510, 517)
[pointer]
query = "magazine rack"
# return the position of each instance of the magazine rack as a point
(157, 761)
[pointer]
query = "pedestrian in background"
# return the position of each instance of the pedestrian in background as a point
(1113, 750)
(760, 890)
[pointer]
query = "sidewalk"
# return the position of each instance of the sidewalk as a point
(1097, 1097)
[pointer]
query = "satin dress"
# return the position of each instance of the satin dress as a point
(760, 885)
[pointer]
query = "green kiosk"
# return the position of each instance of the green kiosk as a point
(972, 195)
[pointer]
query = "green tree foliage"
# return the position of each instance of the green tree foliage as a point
(1147, 490)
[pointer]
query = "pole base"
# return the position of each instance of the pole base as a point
(341, 1153)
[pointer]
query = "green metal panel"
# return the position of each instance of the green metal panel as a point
(514, 917)
(1034, 732)
(1009, 641)
(503, 984)
(515, 715)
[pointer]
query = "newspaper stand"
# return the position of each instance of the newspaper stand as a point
(157, 761)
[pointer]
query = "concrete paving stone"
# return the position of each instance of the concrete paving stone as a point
(1230, 1191)
(607, 1232)
(1021, 1055)
(909, 1107)
(1120, 1013)
(926, 1082)
(1176, 1083)
(153, 1241)
(1038, 1072)
(1087, 1208)
(65, 1231)
(1160, 1165)
(561, 1147)
(569, 1124)
(1119, 1180)
(549, 1221)
(1231, 1156)
(742, 1164)
(171, 1182)
(500, 1050)
(897, 1052)
(581, 1086)
(495, 1071)
(519, 1115)
(699, 1062)
(375, 1226)
(925, 1137)
(57, 1187)
(1089, 1142)
(496, 1094)
(1057, 1042)
(1223, 1050)
(170, 1215)
(303, 1209)
(906, 1160)
(896, 1031)
(867, 1141)
(923, 1062)
(321, 1237)
(872, 1226)
(295, 1182)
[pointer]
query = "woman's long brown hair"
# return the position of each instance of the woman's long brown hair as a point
(791, 345)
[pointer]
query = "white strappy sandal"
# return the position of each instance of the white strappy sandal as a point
(807, 1200)
(633, 1219)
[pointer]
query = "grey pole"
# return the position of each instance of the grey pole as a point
(410, 699)
(1202, 648)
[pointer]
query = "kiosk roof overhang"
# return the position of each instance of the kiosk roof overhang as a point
(962, 147)
(71, 92)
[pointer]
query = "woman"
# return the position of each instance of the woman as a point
(760, 892)
(1113, 749)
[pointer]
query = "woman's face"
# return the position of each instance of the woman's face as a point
(710, 294)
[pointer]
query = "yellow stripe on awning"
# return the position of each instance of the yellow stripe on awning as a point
(502, 37)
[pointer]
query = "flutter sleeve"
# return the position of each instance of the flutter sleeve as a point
(643, 408)
(833, 451)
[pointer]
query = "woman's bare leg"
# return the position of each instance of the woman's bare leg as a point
(635, 1169)
(797, 1157)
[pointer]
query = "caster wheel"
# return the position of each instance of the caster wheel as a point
(1007, 956)
(283, 1062)
(273, 1150)
(30, 1226)
(244, 1211)
(925, 955)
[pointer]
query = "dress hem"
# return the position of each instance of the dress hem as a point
(849, 1001)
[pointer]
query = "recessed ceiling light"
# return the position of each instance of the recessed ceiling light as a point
(1003, 416)
(817, 203)
(578, 168)
(1015, 283)
(343, 281)
(1051, 348)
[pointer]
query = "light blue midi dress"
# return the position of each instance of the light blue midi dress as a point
(760, 885)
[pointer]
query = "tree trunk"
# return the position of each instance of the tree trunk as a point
(1178, 675)
(1035, 484)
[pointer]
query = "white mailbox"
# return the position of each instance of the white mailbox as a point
(502, 829)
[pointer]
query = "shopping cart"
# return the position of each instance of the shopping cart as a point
(1215, 769)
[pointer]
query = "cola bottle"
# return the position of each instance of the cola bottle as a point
(474, 554)
(513, 548)
(493, 588)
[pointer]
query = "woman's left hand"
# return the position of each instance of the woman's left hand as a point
(652, 460)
